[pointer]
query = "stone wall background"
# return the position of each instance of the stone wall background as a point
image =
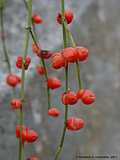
(97, 27)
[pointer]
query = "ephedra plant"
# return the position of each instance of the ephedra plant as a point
(69, 55)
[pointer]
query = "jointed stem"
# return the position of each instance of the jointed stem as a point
(59, 148)
(22, 91)
(7, 60)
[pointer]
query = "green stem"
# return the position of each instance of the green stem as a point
(60, 146)
(22, 91)
(77, 63)
(7, 60)
(35, 40)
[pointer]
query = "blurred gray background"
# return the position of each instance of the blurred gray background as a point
(96, 26)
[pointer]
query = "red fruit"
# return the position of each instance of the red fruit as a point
(69, 98)
(16, 104)
(68, 17)
(36, 49)
(31, 136)
(80, 93)
(20, 61)
(53, 112)
(70, 54)
(75, 124)
(82, 53)
(37, 19)
(53, 83)
(12, 80)
(58, 61)
(88, 97)
(33, 158)
(40, 69)
(21, 131)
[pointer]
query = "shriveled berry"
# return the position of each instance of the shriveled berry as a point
(82, 53)
(75, 124)
(13, 80)
(69, 97)
(16, 104)
(37, 19)
(88, 97)
(36, 49)
(70, 54)
(53, 83)
(53, 112)
(46, 54)
(58, 61)
(68, 14)
(40, 69)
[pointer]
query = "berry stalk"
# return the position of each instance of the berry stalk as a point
(35, 40)
(59, 148)
(22, 91)
(6, 56)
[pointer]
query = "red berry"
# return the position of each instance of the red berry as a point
(19, 62)
(80, 93)
(70, 54)
(36, 49)
(16, 104)
(40, 69)
(88, 97)
(59, 18)
(69, 98)
(31, 136)
(68, 17)
(21, 132)
(33, 158)
(12, 80)
(53, 83)
(75, 124)
(37, 19)
(53, 112)
(82, 53)
(58, 61)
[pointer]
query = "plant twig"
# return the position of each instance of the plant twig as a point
(6, 57)
(60, 146)
(22, 91)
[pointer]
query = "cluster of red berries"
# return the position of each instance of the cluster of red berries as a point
(69, 55)
(20, 62)
(26, 134)
(68, 14)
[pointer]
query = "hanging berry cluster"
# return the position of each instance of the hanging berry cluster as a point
(70, 54)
